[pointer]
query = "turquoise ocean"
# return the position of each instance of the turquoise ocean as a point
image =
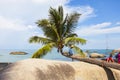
(53, 55)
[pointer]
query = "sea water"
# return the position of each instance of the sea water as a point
(5, 55)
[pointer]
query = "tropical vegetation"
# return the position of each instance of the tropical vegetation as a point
(58, 31)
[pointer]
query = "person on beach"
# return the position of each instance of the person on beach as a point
(71, 51)
(118, 57)
(110, 58)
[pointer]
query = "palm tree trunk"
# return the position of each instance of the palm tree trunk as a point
(95, 61)
(60, 48)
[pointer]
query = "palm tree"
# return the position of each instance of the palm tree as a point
(59, 32)
(102, 63)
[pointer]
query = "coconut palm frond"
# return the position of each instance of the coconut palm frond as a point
(36, 39)
(55, 30)
(47, 28)
(73, 40)
(51, 33)
(60, 11)
(61, 24)
(43, 23)
(43, 51)
(79, 51)
(72, 22)
(72, 35)
(54, 16)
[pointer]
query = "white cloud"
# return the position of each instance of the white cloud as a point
(118, 23)
(15, 34)
(98, 29)
(51, 2)
(17, 14)
(10, 1)
(86, 11)
(102, 25)
(32, 10)
(113, 43)
(18, 17)
(9, 24)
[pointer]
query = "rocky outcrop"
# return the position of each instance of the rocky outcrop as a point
(3, 65)
(96, 55)
(18, 53)
(38, 69)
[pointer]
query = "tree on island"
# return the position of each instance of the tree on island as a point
(58, 31)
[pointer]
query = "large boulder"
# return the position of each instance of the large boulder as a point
(18, 53)
(38, 69)
(96, 55)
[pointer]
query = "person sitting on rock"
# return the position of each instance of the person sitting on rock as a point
(110, 58)
(118, 57)
(70, 50)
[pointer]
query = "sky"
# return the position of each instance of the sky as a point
(99, 23)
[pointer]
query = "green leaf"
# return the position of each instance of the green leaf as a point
(43, 51)
(79, 51)
(73, 40)
(72, 22)
(36, 39)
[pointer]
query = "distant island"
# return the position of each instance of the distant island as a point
(18, 53)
